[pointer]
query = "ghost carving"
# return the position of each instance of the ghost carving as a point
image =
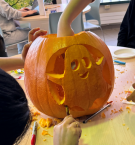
(75, 71)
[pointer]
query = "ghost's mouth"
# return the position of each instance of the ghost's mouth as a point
(76, 108)
(85, 75)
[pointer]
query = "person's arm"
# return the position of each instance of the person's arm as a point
(7, 11)
(24, 9)
(28, 13)
(10, 13)
(68, 132)
(72, 10)
(11, 63)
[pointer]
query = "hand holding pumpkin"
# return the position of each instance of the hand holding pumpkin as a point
(33, 34)
(67, 132)
(25, 50)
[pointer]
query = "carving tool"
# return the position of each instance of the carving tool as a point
(34, 133)
(93, 115)
(67, 110)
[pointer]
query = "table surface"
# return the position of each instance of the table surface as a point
(109, 130)
(60, 8)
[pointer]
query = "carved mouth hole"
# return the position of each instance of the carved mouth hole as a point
(57, 92)
(85, 75)
(60, 91)
(76, 108)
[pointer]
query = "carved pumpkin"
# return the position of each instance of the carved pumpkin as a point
(76, 71)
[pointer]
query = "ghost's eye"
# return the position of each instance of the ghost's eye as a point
(86, 62)
(99, 60)
(74, 64)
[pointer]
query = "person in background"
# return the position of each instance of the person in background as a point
(11, 63)
(11, 33)
(3, 53)
(54, 1)
(126, 36)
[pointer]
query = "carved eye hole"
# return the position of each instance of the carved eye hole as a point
(74, 64)
(86, 62)
(99, 60)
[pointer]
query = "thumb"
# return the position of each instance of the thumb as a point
(131, 97)
(25, 50)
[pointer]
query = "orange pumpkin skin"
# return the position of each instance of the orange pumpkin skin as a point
(76, 71)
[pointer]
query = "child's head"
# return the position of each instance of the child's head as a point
(15, 116)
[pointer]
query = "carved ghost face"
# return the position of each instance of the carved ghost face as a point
(79, 81)
(75, 71)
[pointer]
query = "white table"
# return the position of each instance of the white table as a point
(117, 128)
(43, 21)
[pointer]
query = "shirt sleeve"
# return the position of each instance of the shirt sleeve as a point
(9, 12)
(123, 35)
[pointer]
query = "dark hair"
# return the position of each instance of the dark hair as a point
(2, 47)
(15, 116)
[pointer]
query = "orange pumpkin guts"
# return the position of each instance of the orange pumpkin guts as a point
(75, 71)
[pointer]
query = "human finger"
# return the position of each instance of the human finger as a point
(75, 124)
(25, 50)
(31, 33)
(27, 9)
(68, 120)
(34, 11)
(63, 120)
(79, 130)
(76, 131)
(131, 97)
(40, 33)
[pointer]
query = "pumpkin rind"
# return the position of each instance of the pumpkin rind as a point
(51, 83)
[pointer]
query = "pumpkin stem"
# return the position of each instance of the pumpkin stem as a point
(72, 10)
